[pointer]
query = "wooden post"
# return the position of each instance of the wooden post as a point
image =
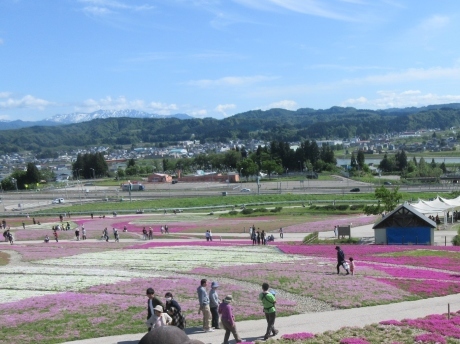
(448, 311)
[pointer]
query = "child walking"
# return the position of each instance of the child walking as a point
(352, 266)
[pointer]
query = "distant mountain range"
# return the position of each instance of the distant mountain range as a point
(270, 125)
(78, 117)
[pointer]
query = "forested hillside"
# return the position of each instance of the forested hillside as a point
(274, 124)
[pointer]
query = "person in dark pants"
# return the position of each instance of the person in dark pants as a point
(269, 301)
(340, 259)
(214, 305)
(152, 302)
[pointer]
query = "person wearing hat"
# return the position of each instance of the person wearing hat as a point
(158, 318)
(228, 319)
(214, 304)
(341, 260)
(152, 302)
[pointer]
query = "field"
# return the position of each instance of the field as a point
(69, 290)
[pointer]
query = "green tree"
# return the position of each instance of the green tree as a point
(271, 166)
(360, 159)
(131, 162)
(388, 200)
(32, 176)
(248, 168)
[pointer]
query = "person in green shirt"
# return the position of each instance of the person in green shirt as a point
(268, 301)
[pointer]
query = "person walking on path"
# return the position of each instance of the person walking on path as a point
(77, 234)
(214, 304)
(281, 233)
(268, 302)
(341, 260)
(228, 319)
(203, 299)
(254, 238)
(83, 233)
(56, 235)
(152, 302)
(115, 235)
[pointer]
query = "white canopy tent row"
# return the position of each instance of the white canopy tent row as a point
(437, 206)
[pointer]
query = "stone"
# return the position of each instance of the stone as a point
(167, 335)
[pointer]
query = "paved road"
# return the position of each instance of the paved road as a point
(313, 322)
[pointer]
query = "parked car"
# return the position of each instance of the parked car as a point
(58, 201)
(386, 183)
(245, 190)
(355, 190)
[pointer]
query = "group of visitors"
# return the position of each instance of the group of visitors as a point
(148, 234)
(208, 235)
(163, 314)
(341, 262)
(211, 308)
(169, 312)
(260, 237)
(7, 235)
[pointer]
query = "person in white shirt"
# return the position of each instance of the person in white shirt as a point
(159, 318)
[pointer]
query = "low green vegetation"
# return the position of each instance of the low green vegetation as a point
(4, 258)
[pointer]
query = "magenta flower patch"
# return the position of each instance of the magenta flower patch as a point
(298, 336)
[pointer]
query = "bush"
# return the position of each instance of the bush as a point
(456, 239)
(233, 212)
(276, 210)
(247, 211)
(261, 210)
(342, 207)
(356, 206)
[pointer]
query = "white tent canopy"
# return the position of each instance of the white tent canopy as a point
(436, 206)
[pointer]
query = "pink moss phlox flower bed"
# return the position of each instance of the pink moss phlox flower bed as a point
(308, 278)
(53, 306)
(438, 326)
(372, 253)
(216, 242)
(298, 336)
(328, 225)
(430, 338)
(54, 249)
(353, 341)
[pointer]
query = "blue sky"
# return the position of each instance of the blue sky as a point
(216, 58)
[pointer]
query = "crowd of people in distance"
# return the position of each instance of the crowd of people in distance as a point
(259, 237)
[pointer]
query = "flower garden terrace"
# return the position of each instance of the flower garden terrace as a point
(71, 290)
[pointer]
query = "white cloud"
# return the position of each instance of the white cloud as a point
(4, 117)
(413, 74)
(435, 22)
(104, 7)
(5, 94)
(122, 103)
(327, 9)
(222, 108)
(109, 103)
(230, 81)
(162, 108)
(201, 113)
(391, 99)
(28, 101)
(284, 104)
